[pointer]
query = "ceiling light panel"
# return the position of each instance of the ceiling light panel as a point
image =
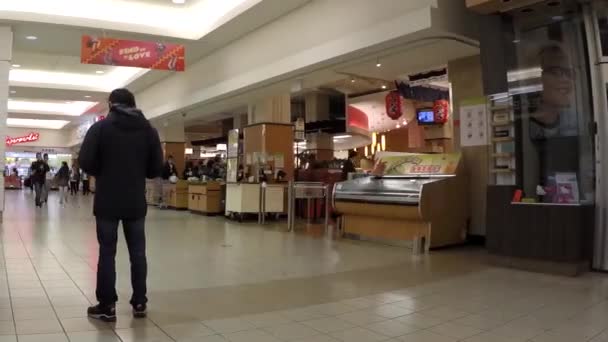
(117, 77)
(75, 108)
(152, 18)
(36, 123)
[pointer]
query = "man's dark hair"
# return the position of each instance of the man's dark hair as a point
(123, 97)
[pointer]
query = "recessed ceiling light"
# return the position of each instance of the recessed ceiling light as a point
(13, 92)
(87, 96)
(352, 80)
(384, 86)
(31, 37)
(16, 65)
(99, 72)
(557, 17)
(515, 41)
(179, 2)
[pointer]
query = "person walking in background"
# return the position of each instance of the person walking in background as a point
(62, 179)
(74, 180)
(85, 183)
(121, 152)
(47, 185)
(38, 172)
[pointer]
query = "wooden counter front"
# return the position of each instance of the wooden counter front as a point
(205, 198)
(176, 195)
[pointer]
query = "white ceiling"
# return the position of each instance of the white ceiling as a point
(49, 67)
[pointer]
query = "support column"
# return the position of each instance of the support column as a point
(6, 50)
(268, 139)
(173, 139)
(317, 109)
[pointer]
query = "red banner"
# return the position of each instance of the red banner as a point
(24, 139)
(394, 105)
(132, 53)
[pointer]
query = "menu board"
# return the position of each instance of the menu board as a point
(421, 164)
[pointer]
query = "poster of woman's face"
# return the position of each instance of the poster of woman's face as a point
(556, 77)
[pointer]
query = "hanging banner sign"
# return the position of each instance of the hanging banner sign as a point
(417, 164)
(394, 105)
(24, 139)
(132, 53)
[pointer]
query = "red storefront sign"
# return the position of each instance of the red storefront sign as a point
(132, 53)
(24, 139)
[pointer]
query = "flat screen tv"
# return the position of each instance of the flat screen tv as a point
(425, 116)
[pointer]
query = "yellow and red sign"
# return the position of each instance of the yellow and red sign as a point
(132, 53)
(421, 164)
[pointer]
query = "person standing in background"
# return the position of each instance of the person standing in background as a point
(121, 152)
(62, 179)
(85, 183)
(169, 169)
(38, 177)
(47, 185)
(74, 180)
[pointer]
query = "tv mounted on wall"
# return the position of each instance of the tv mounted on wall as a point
(425, 116)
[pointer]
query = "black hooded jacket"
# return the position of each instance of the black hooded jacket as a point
(121, 152)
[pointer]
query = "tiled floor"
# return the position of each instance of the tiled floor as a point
(212, 280)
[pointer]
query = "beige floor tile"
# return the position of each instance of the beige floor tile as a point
(386, 298)
(362, 317)
(34, 313)
(332, 309)
(255, 335)
(391, 311)
(420, 320)
(83, 324)
(129, 322)
(446, 313)
(39, 326)
(93, 336)
(358, 335)
(266, 320)
(44, 338)
(8, 338)
(360, 303)
(392, 328)
(291, 331)
(299, 315)
(229, 325)
(455, 330)
(212, 338)
(317, 338)
(6, 314)
(187, 330)
(30, 302)
(479, 322)
(426, 336)
(490, 337)
(148, 334)
(7, 328)
(517, 331)
(58, 301)
(328, 325)
(71, 311)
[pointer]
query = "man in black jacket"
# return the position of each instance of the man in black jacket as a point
(39, 170)
(121, 152)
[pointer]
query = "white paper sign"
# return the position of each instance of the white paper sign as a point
(473, 125)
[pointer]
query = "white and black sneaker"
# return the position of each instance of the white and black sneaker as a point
(140, 311)
(106, 313)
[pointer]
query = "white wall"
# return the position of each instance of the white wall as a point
(49, 138)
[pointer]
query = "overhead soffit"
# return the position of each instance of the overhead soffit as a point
(50, 66)
(154, 17)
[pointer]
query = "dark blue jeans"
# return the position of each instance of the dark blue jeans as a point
(107, 236)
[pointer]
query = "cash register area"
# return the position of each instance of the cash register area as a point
(215, 280)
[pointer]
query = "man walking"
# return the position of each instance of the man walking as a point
(121, 152)
(38, 170)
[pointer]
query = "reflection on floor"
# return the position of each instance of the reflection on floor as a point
(215, 280)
